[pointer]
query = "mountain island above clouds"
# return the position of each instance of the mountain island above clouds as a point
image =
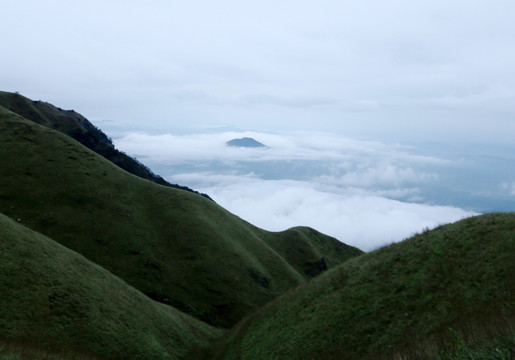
(98, 261)
(245, 142)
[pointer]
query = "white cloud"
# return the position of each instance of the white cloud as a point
(171, 148)
(346, 191)
(383, 174)
(354, 216)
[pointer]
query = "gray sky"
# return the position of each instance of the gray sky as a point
(396, 70)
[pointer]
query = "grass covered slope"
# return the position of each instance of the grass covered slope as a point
(68, 122)
(450, 290)
(54, 299)
(308, 250)
(175, 246)
(78, 127)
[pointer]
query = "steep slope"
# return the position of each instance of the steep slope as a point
(448, 292)
(308, 250)
(55, 300)
(78, 127)
(175, 246)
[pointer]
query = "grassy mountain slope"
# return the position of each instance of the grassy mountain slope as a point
(308, 250)
(54, 299)
(175, 246)
(78, 127)
(450, 290)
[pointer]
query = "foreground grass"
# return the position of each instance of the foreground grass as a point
(175, 246)
(18, 351)
(448, 293)
(55, 300)
(491, 349)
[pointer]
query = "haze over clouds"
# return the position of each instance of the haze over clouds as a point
(291, 146)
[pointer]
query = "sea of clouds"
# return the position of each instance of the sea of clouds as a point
(364, 193)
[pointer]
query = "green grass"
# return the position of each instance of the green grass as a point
(492, 349)
(44, 113)
(56, 301)
(304, 247)
(79, 128)
(24, 351)
(175, 246)
(448, 293)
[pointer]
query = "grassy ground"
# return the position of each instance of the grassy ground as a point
(448, 293)
(78, 127)
(25, 351)
(177, 247)
(54, 300)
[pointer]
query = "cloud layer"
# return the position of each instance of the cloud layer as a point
(354, 216)
(307, 146)
(364, 193)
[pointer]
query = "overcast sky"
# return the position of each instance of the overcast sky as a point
(397, 70)
(345, 94)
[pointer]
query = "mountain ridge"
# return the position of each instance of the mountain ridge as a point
(75, 125)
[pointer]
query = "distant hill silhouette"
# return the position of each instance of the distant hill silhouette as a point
(245, 142)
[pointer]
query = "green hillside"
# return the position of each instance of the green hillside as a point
(54, 300)
(82, 242)
(73, 124)
(177, 247)
(448, 293)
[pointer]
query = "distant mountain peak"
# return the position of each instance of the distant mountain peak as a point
(245, 142)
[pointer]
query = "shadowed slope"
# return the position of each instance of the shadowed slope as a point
(175, 246)
(309, 251)
(450, 290)
(55, 300)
